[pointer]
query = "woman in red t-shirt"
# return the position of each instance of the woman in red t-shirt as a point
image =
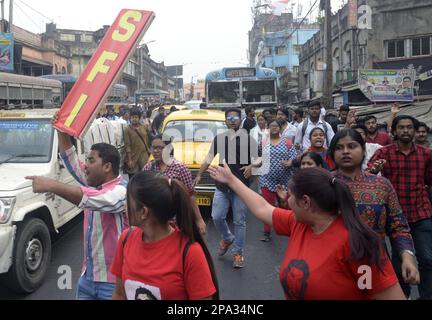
(159, 260)
(331, 254)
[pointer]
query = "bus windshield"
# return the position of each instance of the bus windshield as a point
(224, 92)
(25, 141)
(258, 91)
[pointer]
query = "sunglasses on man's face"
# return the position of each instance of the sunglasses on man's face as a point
(234, 118)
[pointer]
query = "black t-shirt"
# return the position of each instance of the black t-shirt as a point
(335, 124)
(238, 149)
(157, 122)
(249, 124)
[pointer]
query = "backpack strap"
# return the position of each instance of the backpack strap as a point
(127, 236)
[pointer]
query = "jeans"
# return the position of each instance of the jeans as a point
(90, 290)
(221, 203)
(421, 232)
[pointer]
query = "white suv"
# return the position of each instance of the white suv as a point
(28, 147)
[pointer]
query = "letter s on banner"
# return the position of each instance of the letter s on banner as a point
(129, 27)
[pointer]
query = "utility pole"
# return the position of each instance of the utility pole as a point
(328, 82)
(10, 15)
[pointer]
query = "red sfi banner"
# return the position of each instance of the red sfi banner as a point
(81, 105)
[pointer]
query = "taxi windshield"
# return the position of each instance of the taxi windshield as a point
(25, 141)
(194, 130)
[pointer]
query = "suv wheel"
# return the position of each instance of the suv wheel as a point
(32, 255)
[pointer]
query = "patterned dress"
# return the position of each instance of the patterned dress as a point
(379, 207)
(273, 172)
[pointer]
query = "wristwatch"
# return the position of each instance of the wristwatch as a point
(409, 252)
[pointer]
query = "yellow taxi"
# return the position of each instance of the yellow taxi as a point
(167, 108)
(192, 133)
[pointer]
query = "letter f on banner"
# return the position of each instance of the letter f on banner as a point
(100, 66)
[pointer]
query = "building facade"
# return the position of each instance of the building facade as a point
(397, 36)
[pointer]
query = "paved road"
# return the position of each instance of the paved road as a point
(258, 280)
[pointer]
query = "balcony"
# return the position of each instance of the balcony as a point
(346, 77)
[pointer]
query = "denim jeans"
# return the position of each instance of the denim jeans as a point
(90, 290)
(421, 232)
(221, 203)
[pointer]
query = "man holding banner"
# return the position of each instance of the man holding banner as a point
(102, 195)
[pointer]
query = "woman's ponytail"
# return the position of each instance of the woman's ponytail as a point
(186, 222)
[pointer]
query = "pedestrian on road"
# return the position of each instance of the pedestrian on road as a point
(276, 150)
(165, 164)
(136, 144)
(314, 120)
(376, 200)
(238, 149)
(409, 168)
(102, 195)
(157, 259)
(330, 247)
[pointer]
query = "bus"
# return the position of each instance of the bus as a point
(241, 87)
(19, 91)
(67, 81)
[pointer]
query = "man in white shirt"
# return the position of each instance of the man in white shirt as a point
(314, 120)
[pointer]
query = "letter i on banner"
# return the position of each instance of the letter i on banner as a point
(81, 105)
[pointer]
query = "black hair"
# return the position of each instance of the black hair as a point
(136, 112)
(229, 110)
(333, 196)
(356, 136)
(367, 118)
(285, 111)
(404, 78)
(172, 201)
(360, 126)
(248, 110)
(315, 157)
(315, 129)
(344, 107)
(424, 125)
(109, 154)
(300, 112)
(396, 121)
(314, 103)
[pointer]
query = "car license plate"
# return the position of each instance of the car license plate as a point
(203, 201)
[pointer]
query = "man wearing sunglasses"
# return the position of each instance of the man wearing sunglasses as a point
(239, 150)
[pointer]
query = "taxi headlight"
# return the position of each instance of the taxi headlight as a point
(6, 207)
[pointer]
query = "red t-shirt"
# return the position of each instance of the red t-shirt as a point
(317, 267)
(154, 270)
(381, 138)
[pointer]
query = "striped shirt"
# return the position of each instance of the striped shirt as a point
(104, 219)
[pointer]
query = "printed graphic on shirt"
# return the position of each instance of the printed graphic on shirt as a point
(140, 291)
(294, 279)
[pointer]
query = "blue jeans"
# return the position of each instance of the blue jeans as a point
(90, 290)
(221, 203)
(421, 232)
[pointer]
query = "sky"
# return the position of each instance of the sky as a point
(202, 35)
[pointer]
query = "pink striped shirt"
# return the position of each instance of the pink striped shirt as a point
(104, 219)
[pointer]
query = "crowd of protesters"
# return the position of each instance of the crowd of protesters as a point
(338, 189)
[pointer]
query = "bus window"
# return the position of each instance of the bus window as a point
(224, 92)
(259, 91)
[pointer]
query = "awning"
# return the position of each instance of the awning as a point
(37, 61)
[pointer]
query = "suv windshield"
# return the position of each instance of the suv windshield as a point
(25, 141)
(194, 130)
